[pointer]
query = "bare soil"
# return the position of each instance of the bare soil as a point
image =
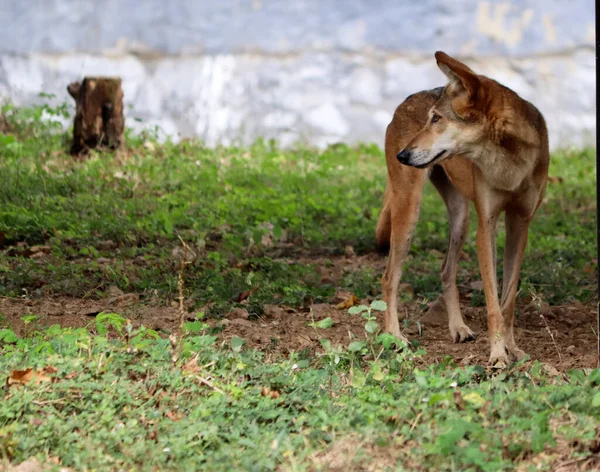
(562, 336)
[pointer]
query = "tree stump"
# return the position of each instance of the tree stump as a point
(99, 121)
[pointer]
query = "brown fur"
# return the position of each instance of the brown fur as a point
(476, 140)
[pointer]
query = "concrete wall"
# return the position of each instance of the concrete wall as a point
(310, 70)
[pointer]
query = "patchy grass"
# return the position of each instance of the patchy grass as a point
(124, 399)
(265, 225)
(245, 213)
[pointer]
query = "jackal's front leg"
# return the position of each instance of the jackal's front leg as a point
(405, 214)
(485, 253)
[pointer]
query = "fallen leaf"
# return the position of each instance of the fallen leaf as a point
(242, 322)
(36, 422)
(174, 416)
(23, 377)
(458, 400)
(477, 285)
(474, 399)
(550, 370)
(192, 366)
(406, 289)
(45, 249)
(393, 419)
(349, 251)
(555, 180)
(267, 392)
(348, 302)
(467, 359)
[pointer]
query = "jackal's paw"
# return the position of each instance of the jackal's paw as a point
(400, 336)
(515, 353)
(461, 333)
(498, 356)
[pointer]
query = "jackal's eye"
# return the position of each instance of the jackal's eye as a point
(435, 118)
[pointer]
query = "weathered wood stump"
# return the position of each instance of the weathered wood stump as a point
(99, 121)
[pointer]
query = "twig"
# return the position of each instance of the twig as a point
(537, 301)
(180, 280)
(414, 424)
(208, 383)
(47, 402)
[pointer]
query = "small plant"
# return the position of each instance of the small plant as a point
(104, 321)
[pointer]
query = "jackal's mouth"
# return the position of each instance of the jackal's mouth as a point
(437, 157)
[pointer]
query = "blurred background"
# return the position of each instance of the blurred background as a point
(315, 71)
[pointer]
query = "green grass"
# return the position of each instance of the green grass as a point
(140, 206)
(129, 399)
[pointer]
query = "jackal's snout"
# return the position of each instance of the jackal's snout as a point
(404, 156)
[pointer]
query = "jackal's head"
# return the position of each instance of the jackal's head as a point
(455, 123)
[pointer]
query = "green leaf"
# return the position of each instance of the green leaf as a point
(474, 399)
(28, 319)
(371, 326)
(168, 226)
(378, 305)
(596, 399)
(376, 371)
(447, 442)
(6, 139)
(356, 346)
(387, 340)
(325, 323)
(357, 310)
(237, 343)
(357, 378)
(104, 320)
(326, 343)
(193, 327)
(8, 336)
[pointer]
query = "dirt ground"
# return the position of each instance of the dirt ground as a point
(563, 336)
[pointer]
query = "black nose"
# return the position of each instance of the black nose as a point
(403, 156)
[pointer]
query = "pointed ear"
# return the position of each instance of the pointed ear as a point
(457, 72)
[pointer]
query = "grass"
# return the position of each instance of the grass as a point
(130, 401)
(226, 202)
(263, 219)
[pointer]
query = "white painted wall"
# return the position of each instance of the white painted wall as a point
(311, 70)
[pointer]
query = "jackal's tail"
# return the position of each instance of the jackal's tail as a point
(384, 225)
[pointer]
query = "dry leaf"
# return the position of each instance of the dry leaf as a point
(348, 302)
(242, 296)
(550, 370)
(477, 285)
(192, 366)
(174, 416)
(467, 359)
(242, 322)
(406, 289)
(267, 392)
(458, 400)
(23, 377)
